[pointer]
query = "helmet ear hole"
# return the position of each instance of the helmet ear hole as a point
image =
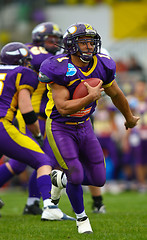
(69, 42)
(20, 62)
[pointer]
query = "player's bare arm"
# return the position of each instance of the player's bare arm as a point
(120, 101)
(25, 106)
(66, 106)
(24, 101)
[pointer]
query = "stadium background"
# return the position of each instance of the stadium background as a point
(122, 24)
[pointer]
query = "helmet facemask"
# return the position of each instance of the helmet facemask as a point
(83, 55)
(26, 62)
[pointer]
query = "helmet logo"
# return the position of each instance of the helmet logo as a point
(70, 30)
(23, 51)
(56, 28)
(39, 29)
(89, 27)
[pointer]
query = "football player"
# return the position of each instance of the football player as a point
(69, 129)
(21, 146)
(57, 186)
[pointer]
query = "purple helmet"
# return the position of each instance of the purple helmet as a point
(15, 53)
(43, 30)
(72, 34)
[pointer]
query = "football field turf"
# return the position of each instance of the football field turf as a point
(126, 219)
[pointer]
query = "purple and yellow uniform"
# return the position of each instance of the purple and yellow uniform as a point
(71, 137)
(12, 142)
(39, 100)
(39, 97)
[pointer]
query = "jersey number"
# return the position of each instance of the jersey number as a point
(2, 79)
(38, 50)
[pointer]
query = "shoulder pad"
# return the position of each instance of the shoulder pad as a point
(55, 67)
(107, 61)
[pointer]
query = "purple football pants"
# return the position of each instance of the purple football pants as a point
(16, 145)
(19, 167)
(79, 151)
(23, 148)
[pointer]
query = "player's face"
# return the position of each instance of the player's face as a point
(50, 42)
(86, 44)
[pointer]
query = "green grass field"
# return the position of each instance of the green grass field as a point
(126, 219)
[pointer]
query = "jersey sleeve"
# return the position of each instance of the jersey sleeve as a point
(53, 70)
(108, 68)
(27, 79)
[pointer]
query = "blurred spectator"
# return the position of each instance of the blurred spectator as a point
(134, 65)
(106, 131)
(134, 143)
(121, 66)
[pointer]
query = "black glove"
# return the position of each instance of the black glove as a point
(39, 139)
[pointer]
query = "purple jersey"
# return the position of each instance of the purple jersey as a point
(61, 70)
(39, 54)
(39, 100)
(12, 80)
(13, 143)
(39, 97)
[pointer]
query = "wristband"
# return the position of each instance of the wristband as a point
(29, 117)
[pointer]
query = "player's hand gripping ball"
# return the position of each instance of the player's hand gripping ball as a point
(81, 90)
